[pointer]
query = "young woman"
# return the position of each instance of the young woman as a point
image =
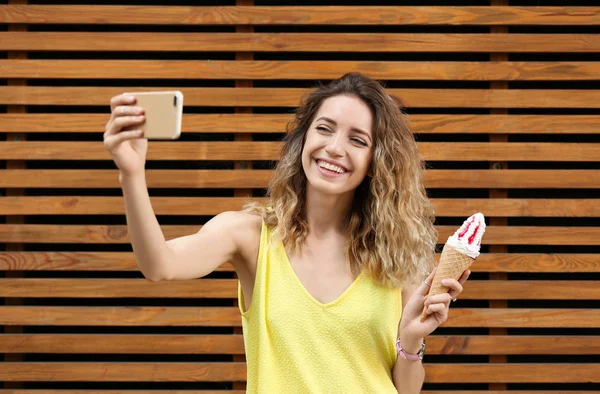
(330, 268)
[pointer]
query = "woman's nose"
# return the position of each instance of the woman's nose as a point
(335, 146)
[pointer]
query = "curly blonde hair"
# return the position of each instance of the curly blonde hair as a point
(390, 231)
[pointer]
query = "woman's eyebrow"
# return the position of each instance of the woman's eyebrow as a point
(355, 129)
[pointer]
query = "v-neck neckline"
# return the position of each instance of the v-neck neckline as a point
(332, 303)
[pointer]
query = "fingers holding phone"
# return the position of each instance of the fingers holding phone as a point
(124, 117)
(135, 119)
(123, 136)
(163, 111)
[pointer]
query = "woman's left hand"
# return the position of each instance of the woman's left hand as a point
(411, 327)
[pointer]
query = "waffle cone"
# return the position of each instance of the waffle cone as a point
(452, 265)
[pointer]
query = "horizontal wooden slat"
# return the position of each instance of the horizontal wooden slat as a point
(304, 15)
(259, 150)
(290, 97)
(512, 344)
(117, 234)
(498, 98)
(163, 372)
(98, 391)
(549, 263)
(91, 205)
(530, 290)
(94, 123)
(123, 344)
(90, 261)
(512, 179)
(513, 207)
(230, 316)
(120, 316)
(122, 372)
(96, 205)
(179, 179)
(227, 288)
(259, 123)
(297, 42)
(400, 70)
(512, 151)
(233, 344)
(512, 373)
(117, 288)
(125, 261)
(155, 178)
(523, 318)
(256, 150)
(455, 392)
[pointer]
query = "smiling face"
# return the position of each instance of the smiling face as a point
(338, 148)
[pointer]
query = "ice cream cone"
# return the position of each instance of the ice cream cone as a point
(452, 264)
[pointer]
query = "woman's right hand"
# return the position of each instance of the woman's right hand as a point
(123, 138)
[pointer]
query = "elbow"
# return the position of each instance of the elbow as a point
(157, 274)
(153, 278)
(157, 269)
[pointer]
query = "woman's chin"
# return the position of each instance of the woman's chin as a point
(325, 187)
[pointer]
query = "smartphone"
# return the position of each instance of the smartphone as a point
(163, 112)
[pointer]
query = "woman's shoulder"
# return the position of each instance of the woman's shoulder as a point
(245, 230)
(242, 223)
(240, 217)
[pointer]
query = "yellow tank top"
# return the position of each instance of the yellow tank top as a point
(295, 344)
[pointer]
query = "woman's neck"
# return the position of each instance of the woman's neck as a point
(327, 214)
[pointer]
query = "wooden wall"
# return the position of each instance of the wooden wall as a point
(503, 99)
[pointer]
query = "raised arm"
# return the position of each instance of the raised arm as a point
(230, 236)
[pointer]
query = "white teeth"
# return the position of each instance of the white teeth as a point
(331, 167)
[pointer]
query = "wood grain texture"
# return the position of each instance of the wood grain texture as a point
(260, 123)
(117, 234)
(259, 150)
(104, 205)
(230, 316)
(233, 344)
(117, 288)
(124, 316)
(523, 318)
(512, 344)
(79, 261)
(290, 97)
(122, 372)
(202, 372)
(122, 344)
(512, 373)
(304, 15)
(399, 70)
(299, 42)
(125, 261)
(227, 288)
(190, 179)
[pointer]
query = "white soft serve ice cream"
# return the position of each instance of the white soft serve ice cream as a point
(467, 239)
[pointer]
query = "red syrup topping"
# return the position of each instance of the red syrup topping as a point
(462, 234)
(472, 237)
